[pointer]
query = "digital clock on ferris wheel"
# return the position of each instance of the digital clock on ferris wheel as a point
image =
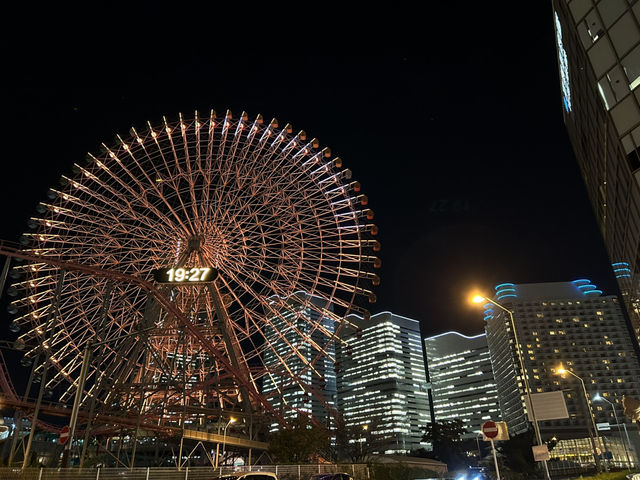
(185, 275)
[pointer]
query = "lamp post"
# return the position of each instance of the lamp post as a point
(595, 443)
(362, 439)
(536, 428)
(224, 437)
(597, 397)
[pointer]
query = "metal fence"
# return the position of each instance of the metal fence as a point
(284, 472)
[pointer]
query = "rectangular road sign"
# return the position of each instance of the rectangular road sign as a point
(540, 453)
(548, 406)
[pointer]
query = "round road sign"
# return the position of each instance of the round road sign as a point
(64, 435)
(490, 429)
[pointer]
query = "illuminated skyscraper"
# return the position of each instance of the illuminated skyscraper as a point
(599, 61)
(462, 383)
(381, 379)
(291, 337)
(568, 323)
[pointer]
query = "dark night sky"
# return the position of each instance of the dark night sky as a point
(456, 136)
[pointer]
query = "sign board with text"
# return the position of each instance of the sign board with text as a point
(547, 406)
(540, 453)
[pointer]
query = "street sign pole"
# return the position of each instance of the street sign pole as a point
(490, 431)
(495, 458)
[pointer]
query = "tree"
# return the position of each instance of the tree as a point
(357, 443)
(300, 442)
(446, 439)
(517, 455)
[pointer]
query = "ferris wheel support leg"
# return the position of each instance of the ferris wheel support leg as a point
(232, 346)
(135, 434)
(34, 421)
(76, 404)
(19, 416)
(103, 322)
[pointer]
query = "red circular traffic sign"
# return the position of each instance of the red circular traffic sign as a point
(490, 429)
(64, 435)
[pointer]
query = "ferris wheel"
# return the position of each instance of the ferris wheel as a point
(238, 215)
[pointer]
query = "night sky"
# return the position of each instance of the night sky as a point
(456, 136)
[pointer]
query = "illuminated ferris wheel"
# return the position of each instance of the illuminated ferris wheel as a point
(238, 214)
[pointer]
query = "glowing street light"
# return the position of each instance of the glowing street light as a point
(596, 398)
(224, 437)
(364, 429)
(479, 299)
(562, 371)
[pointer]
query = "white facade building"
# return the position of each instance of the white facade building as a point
(461, 378)
(307, 385)
(381, 379)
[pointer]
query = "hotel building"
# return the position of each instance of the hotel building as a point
(574, 325)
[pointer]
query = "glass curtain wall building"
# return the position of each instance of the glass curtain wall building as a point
(598, 43)
(288, 335)
(571, 324)
(462, 383)
(382, 381)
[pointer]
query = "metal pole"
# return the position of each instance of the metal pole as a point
(624, 445)
(593, 424)
(34, 420)
(76, 403)
(19, 416)
(224, 441)
(525, 380)
(495, 459)
(624, 425)
(3, 275)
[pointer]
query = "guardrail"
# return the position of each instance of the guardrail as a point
(284, 472)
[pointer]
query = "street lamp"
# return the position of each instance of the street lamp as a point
(562, 371)
(224, 437)
(597, 397)
(362, 439)
(479, 299)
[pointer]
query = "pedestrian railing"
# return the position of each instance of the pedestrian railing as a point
(284, 472)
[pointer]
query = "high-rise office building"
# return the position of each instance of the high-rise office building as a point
(381, 380)
(598, 44)
(461, 378)
(291, 334)
(574, 325)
